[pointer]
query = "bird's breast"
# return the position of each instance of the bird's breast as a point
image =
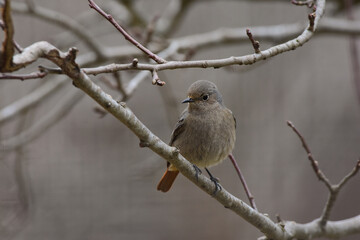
(208, 138)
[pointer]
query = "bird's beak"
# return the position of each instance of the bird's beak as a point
(188, 100)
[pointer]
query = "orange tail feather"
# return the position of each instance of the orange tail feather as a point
(167, 180)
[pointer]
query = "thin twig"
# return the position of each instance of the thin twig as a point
(256, 44)
(334, 189)
(217, 63)
(314, 164)
(152, 55)
(155, 79)
(63, 21)
(350, 175)
(242, 179)
(22, 77)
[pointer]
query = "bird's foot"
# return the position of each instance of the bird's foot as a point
(197, 171)
(215, 180)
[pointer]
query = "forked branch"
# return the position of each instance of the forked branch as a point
(334, 189)
(127, 36)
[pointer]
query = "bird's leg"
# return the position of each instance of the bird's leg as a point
(197, 171)
(215, 181)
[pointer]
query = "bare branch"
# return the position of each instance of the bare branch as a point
(333, 189)
(152, 55)
(256, 44)
(350, 175)
(126, 116)
(243, 182)
(314, 164)
(62, 21)
(333, 229)
(216, 63)
(66, 61)
(22, 77)
(7, 51)
(156, 80)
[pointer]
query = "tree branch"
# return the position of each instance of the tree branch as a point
(217, 63)
(315, 165)
(66, 61)
(152, 55)
(333, 229)
(334, 189)
(125, 115)
(7, 51)
(243, 182)
(22, 77)
(62, 21)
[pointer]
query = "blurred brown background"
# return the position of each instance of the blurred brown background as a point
(86, 177)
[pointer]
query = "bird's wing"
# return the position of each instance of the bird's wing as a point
(179, 127)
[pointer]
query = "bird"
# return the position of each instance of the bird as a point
(204, 134)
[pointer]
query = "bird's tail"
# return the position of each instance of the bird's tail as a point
(167, 180)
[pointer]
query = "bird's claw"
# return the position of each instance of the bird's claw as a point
(217, 184)
(197, 172)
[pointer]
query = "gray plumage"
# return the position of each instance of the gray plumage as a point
(205, 132)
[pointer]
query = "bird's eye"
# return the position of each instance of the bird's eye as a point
(205, 97)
